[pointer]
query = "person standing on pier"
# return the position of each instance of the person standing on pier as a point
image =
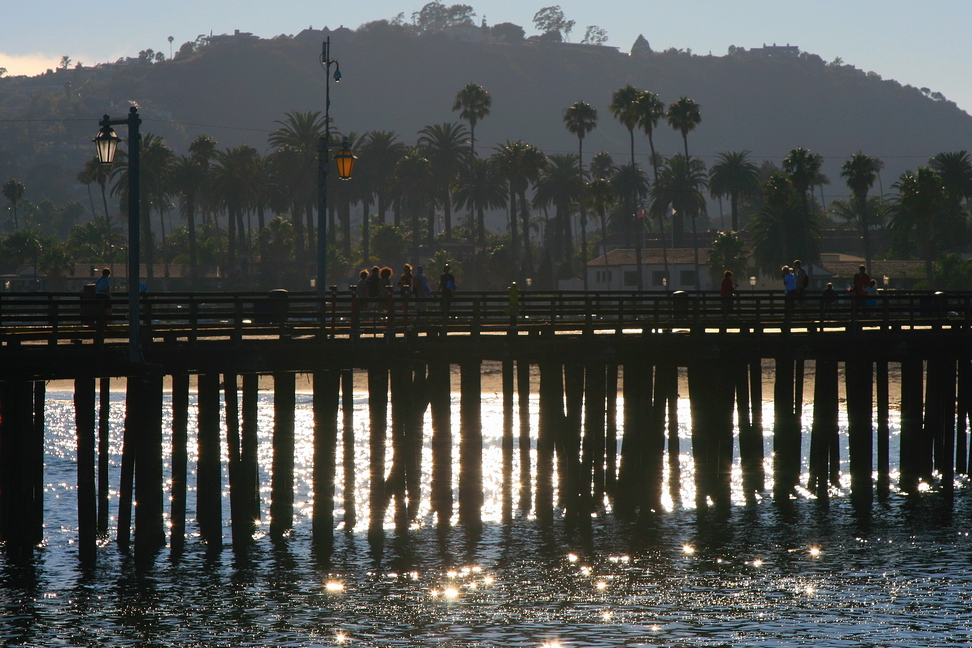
(103, 297)
(802, 280)
(421, 290)
(447, 290)
(726, 291)
(861, 282)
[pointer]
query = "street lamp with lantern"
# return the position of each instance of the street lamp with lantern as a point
(752, 284)
(106, 145)
(344, 159)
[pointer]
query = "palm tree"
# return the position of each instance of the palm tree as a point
(728, 252)
(650, 111)
(921, 197)
(473, 102)
(955, 168)
(13, 190)
(480, 187)
(414, 180)
(505, 161)
(444, 147)
(203, 149)
(186, 174)
(530, 162)
(735, 176)
(300, 133)
(624, 107)
(602, 166)
(630, 185)
(95, 171)
(580, 119)
(803, 169)
(680, 185)
(779, 231)
(600, 198)
(380, 152)
(234, 179)
(560, 185)
(860, 172)
(684, 115)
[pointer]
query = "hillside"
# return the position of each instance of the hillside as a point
(391, 81)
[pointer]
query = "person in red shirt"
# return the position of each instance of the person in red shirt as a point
(726, 291)
(861, 281)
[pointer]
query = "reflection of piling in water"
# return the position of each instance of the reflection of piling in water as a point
(104, 410)
(911, 410)
(824, 433)
(378, 410)
(347, 438)
(327, 385)
(249, 451)
(786, 430)
(860, 452)
(84, 403)
(551, 417)
(508, 382)
(525, 438)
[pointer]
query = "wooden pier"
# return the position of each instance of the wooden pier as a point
(586, 348)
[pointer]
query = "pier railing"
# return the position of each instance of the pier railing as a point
(67, 317)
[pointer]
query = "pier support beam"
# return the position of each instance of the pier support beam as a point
(347, 439)
(471, 445)
(104, 449)
(378, 409)
(786, 430)
(180, 460)
(508, 384)
(327, 385)
(859, 376)
(149, 518)
(551, 418)
(209, 482)
(524, 442)
(440, 394)
(282, 481)
(911, 424)
(249, 450)
(825, 430)
(84, 417)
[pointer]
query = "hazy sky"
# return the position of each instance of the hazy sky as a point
(925, 44)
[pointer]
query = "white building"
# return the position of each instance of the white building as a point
(618, 270)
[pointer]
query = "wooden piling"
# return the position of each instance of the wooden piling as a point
(149, 515)
(882, 383)
(347, 439)
(611, 430)
(470, 445)
(594, 433)
(282, 480)
(507, 483)
(180, 460)
(440, 394)
(84, 417)
(209, 483)
(401, 393)
(327, 385)
(249, 450)
(786, 431)
(21, 502)
(242, 529)
(378, 409)
(911, 423)
(126, 479)
(551, 417)
(946, 466)
(826, 403)
(524, 443)
(575, 488)
(104, 450)
(859, 428)
(963, 460)
(415, 439)
(750, 438)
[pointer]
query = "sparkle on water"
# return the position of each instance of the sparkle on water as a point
(761, 574)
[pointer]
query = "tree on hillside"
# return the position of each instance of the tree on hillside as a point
(435, 17)
(297, 138)
(594, 35)
(624, 107)
(444, 145)
(955, 169)
(13, 190)
(473, 102)
(680, 185)
(550, 20)
(735, 176)
(560, 185)
(728, 252)
(684, 115)
(779, 229)
(481, 186)
(651, 110)
(600, 197)
(803, 169)
(860, 172)
(630, 186)
(921, 199)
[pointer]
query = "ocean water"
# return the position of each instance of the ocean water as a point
(804, 572)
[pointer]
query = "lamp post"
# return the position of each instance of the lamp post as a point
(752, 284)
(106, 144)
(345, 163)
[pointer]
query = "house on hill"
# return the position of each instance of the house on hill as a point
(618, 270)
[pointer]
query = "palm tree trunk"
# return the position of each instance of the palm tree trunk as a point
(191, 228)
(514, 232)
(527, 252)
(607, 276)
(583, 224)
(695, 244)
(447, 213)
(365, 234)
(661, 217)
